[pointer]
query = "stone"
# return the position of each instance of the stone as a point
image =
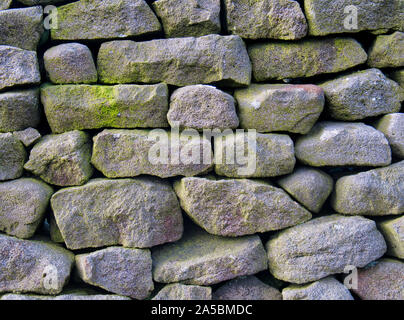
(129, 153)
(233, 208)
(178, 291)
(392, 126)
(33, 266)
(377, 192)
(23, 203)
(18, 67)
(70, 63)
(109, 19)
(263, 19)
(5, 4)
(35, 2)
(362, 94)
(200, 258)
(188, 18)
(268, 155)
(12, 157)
(325, 289)
(382, 280)
(306, 58)
(387, 51)
(62, 159)
(398, 76)
(202, 107)
(246, 288)
(141, 213)
(22, 28)
(78, 107)
(310, 187)
(393, 232)
(54, 231)
(343, 144)
(124, 271)
(215, 59)
(68, 297)
(28, 136)
(325, 17)
(19, 110)
(278, 107)
(322, 247)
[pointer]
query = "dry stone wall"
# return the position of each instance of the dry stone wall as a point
(201, 149)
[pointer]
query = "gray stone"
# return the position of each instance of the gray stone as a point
(202, 107)
(398, 76)
(178, 61)
(62, 159)
(68, 297)
(35, 2)
(12, 157)
(343, 144)
(5, 4)
(78, 107)
(387, 50)
(124, 271)
(377, 192)
(276, 19)
(238, 207)
(54, 231)
(200, 258)
(322, 247)
(21, 28)
(277, 107)
(392, 126)
(28, 136)
(23, 203)
(246, 288)
(141, 212)
(33, 266)
(19, 110)
(393, 232)
(306, 58)
(311, 187)
(188, 18)
(104, 19)
(70, 63)
(178, 291)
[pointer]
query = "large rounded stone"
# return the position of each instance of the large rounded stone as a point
(63, 297)
(12, 157)
(387, 51)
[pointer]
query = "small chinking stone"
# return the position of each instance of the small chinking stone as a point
(141, 212)
(377, 192)
(200, 258)
(398, 76)
(5, 4)
(387, 51)
(393, 232)
(124, 271)
(322, 247)
(178, 291)
(12, 157)
(28, 136)
(392, 126)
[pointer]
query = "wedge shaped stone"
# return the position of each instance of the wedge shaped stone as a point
(393, 232)
(12, 157)
(392, 126)
(387, 50)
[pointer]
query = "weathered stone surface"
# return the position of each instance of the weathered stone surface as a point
(322, 247)
(12, 157)
(177, 61)
(21, 28)
(277, 107)
(62, 159)
(325, 289)
(28, 136)
(23, 203)
(19, 110)
(275, 19)
(342, 144)
(188, 18)
(362, 94)
(178, 291)
(54, 231)
(5, 4)
(141, 213)
(393, 232)
(246, 288)
(203, 259)
(18, 67)
(35, 2)
(238, 207)
(326, 17)
(311, 187)
(306, 58)
(376, 192)
(78, 107)
(129, 153)
(398, 76)
(109, 19)
(382, 280)
(387, 51)
(202, 107)
(124, 271)
(33, 266)
(392, 126)
(69, 297)
(268, 155)
(70, 63)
